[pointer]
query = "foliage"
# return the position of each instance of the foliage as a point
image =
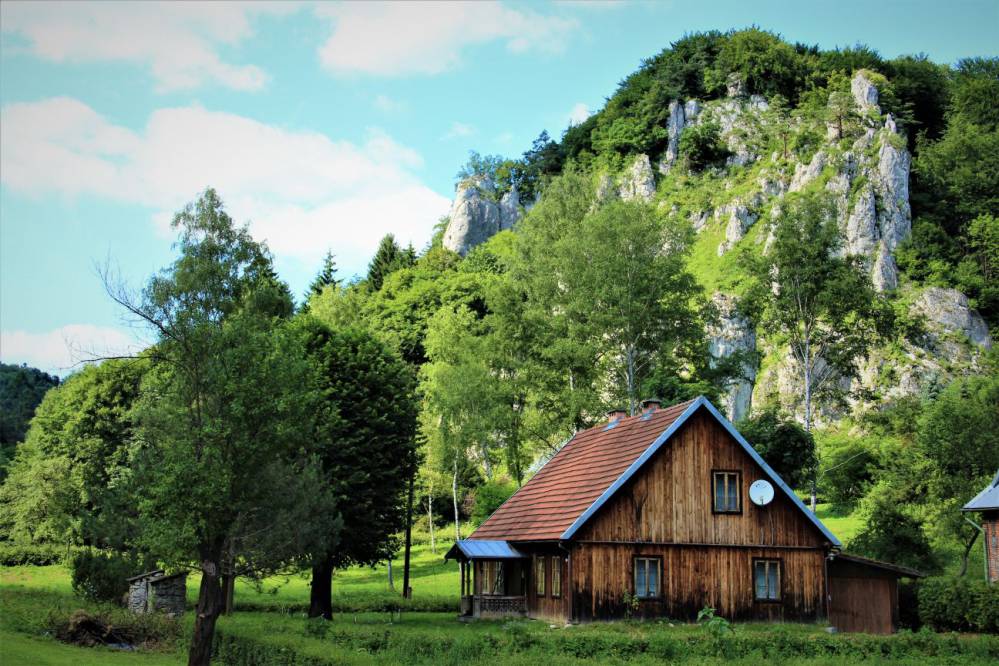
(893, 534)
(784, 444)
(767, 64)
(21, 390)
(71, 482)
(847, 470)
(701, 146)
(102, 575)
(959, 604)
(18, 554)
(489, 496)
(389, 257)
(326, 277)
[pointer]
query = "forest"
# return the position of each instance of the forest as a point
(267, 434)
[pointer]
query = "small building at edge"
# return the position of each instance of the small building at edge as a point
(651, 516)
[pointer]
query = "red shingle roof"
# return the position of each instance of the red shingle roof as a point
(575, 477)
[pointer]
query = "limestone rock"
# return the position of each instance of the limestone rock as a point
(862, 224)
(605, 188)
(735, 85)
(509, 208)
(638, 182)
(865, 94)
(674, 126)
(947, 311)
(740, 219)
(475, 217)
(895, 219)
(806, 173)
(734, 334)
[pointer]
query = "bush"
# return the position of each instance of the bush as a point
(959, 604)
(489, 496)
(15, 555)
(701, 146)
(101, 576)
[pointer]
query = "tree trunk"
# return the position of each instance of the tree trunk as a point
(207, 612)
(807, 363)
(967, 552)
(454, 497)
(630, 357)
(228, 593)
(321, 595)
(391, 581)
(409, 538)
(430, 518)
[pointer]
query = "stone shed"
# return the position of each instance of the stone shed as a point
(154, 591)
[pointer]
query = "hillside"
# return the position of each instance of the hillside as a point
(725, 157)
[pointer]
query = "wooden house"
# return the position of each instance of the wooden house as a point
(987, 504)
(651, 516)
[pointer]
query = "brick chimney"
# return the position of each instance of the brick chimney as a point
(651, 405)
(616, 413)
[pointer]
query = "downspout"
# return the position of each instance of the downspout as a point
(985, 538)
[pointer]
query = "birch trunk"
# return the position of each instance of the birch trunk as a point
(454, 497)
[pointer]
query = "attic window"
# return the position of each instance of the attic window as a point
(725, 492)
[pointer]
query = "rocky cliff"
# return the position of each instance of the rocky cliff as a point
(861, 162)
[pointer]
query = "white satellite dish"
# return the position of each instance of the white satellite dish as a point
(761, 492)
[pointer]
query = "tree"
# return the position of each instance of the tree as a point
(955, 454)
(820, 304)
(71, 481)
(325, 278)
(784, 444)
(618, 279)
(21, 390)
(228, 481)
(388, 258)
(893, 534)
(365, 439)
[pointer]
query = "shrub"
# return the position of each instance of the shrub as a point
(102, 576)
(15, 555)
(489, 496)
(959, 604)
(701, 146)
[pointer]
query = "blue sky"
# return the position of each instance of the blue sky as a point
(322, 125)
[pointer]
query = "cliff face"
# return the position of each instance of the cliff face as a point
(861, 161)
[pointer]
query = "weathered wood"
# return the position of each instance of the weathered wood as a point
(865, 604)
(670, 500)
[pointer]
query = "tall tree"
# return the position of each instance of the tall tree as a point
(228, 479)
(616, 275)
(366, 442)
(784, 444)
(21, 390)
(389, 257)
(326, 277)
(821, 304)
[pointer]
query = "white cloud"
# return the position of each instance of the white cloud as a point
(458, 131)
(387, 104)
(302, 191)
(61, 350)
(579, 113)
(394, 38)
(178, 41)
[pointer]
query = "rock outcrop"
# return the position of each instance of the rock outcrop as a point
(740, 219)
(638, 182)
(947, 312)
(734, 334)
(476, 216)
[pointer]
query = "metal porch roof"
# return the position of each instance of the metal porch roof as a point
(484, 550)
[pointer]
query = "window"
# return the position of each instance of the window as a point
(727, 498)
(492, 577)
(556, 576)
(766, 580)
(539, 574)
(647, 577)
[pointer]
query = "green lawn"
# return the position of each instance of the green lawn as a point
(844, 525)
(270, 627)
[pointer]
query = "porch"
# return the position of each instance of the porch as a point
(493, 579)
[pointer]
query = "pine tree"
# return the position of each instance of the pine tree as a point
(388, 258)
(325, 278)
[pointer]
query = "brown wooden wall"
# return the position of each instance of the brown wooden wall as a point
(862, 598)
(548, 607)
(695, 577)
(670, 499)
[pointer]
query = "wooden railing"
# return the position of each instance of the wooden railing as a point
(495, 605)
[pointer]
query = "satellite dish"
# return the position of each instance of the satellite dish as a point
(761, 492)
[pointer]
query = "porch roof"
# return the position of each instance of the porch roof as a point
(484, 550)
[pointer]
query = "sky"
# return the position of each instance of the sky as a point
(323, 126)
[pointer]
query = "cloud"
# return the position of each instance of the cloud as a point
(179, 42)
(458, 131)
(391, 39)
(302, 191)
(579, 113)
(60, 350)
